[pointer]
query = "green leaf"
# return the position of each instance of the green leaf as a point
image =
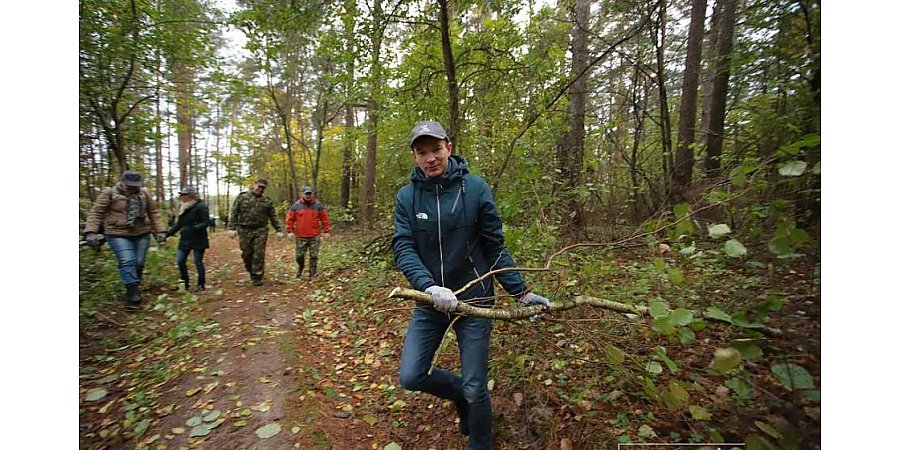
(740, 387)
(725, 359)
(686, 335)
(194, 421)
(141, 427)
(614, 354)
(658, 309)
(792, 169)
(676, 276)
(780, 246)
(95, 394)
(699, 412)
(681, 210)
(799, 236)
(715, 313)
(212, 415)
(793, 376)
(678, 392)
(812, 394)
(735, 249)
(370, 419)
(393, 446)
(768, 429)
(757, 442)
(747, 347)
(267, 431)
(663, 325)
(654, 367)
(718, 230)
(660, 353)
(681, 317)
(200, 430)
(688, 250)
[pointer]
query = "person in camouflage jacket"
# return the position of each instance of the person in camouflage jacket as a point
(249, 216)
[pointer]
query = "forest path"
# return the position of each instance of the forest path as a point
(317, 360)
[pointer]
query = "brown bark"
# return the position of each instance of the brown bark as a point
(367, 206)
(719, 94)
(570, 154)
(665, 118)
(183, 118)
(450, 71)
(684, 156)
(524, 312)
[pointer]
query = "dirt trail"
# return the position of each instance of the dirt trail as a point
(304, 356)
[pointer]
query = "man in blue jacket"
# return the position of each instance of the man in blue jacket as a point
(447, 232)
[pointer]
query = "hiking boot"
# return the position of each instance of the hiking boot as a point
(200, 288)
(462, 410)
(313, 277)
(132, 296)
(257, 281)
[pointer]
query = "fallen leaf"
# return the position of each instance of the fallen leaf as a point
(200, 430)
(518, 398)
(566, 444)
(268, 431)
(95, 394)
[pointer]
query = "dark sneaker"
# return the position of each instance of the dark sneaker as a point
(462, 410)
(257, 282)
(200, 289)
(313, 277)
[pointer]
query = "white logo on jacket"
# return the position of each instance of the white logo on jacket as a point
(422, 216)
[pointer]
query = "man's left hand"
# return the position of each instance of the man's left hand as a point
(532, 299)
(279, 235)
(161, 237)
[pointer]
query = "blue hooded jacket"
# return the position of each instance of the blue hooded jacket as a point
(447, 232)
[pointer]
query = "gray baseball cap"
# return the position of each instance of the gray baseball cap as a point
(307, 189)
(187, 190)
(427, 128)
(132, 178)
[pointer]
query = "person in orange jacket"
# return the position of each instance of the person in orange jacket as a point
(303, 221)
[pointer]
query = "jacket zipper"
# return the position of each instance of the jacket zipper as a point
(437, 197)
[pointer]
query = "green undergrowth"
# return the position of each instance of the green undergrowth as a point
(126, 358)
(673, 377)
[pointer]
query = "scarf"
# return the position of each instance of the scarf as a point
(136, 208)
(186, 206)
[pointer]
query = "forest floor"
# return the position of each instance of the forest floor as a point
(313, 365)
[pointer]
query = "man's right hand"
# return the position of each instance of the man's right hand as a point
(444, 299)
(232, 233)
(92, 240)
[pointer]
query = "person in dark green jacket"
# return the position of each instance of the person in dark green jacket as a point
(447, 232)
(193, 219)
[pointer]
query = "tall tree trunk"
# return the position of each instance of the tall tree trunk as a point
(367, 206)
(160, 178)
(184, 119)
(347, 160)
(721, 64)
(349, 142)
(570, 154)
(659, 40)
(450, 71)
(684, 157)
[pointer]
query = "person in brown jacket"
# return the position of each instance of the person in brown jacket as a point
(126, 216)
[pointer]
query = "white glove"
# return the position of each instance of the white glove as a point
(279, 235)
(232, 233)
(444, 299)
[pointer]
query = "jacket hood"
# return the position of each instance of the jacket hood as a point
(457, 167)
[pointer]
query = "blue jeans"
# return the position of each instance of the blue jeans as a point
(130, 251)
(181, 259)
(426, 328)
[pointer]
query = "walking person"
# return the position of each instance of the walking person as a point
(250, 215)
(303, 220)
(126, 216)
(193, 220)
(447, 232)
